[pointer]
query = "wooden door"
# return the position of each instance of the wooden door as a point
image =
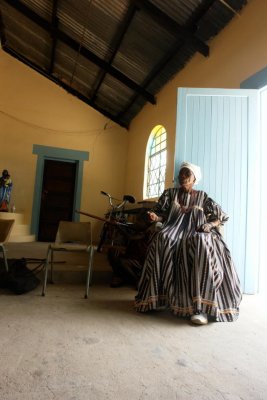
(57, 197)
(218, 130)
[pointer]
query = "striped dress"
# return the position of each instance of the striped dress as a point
(186, 270)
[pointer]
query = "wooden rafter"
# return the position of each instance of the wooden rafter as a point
(89, 55)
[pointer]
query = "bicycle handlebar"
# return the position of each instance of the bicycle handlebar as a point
(126, 198)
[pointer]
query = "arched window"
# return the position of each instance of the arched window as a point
(155, 165)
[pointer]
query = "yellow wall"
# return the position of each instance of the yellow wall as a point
(34, 110)
(237, 53)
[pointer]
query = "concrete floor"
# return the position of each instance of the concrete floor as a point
(63, 347)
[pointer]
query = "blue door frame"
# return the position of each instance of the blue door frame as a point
(60, 154)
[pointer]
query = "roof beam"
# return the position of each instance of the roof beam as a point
(2, 31)
(63, 85)
(89, 55)
(155, 71)
(200, 12)
(172, 25)
(115, 44)
(105, 66)
(53, 34)
(162, 16)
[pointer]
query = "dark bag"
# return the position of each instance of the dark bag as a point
(19, 279)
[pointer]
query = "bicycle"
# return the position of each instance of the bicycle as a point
(116, 229)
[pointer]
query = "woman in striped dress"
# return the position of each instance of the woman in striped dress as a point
(188, 267)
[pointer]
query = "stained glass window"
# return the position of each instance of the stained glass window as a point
(156, 162)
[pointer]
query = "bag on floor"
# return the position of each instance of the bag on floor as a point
(19, 279)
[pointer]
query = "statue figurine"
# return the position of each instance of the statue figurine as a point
(5, 190)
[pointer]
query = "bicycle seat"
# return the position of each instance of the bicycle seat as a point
(129, 198)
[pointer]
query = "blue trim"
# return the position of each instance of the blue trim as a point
(55, 153)
(256, 81)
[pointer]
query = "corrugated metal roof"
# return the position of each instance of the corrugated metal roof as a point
(115, 55)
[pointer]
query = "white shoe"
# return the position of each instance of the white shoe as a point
(199, 319)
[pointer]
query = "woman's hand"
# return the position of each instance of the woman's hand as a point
(206, 227)
(153, 217)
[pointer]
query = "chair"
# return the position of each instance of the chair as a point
(5, 230)
(71, 237)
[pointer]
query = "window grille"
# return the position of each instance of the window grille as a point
(156, 162)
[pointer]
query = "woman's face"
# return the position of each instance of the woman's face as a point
(186, 179)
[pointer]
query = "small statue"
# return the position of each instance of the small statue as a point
(5, 190)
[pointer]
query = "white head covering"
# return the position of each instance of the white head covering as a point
(193, 168)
